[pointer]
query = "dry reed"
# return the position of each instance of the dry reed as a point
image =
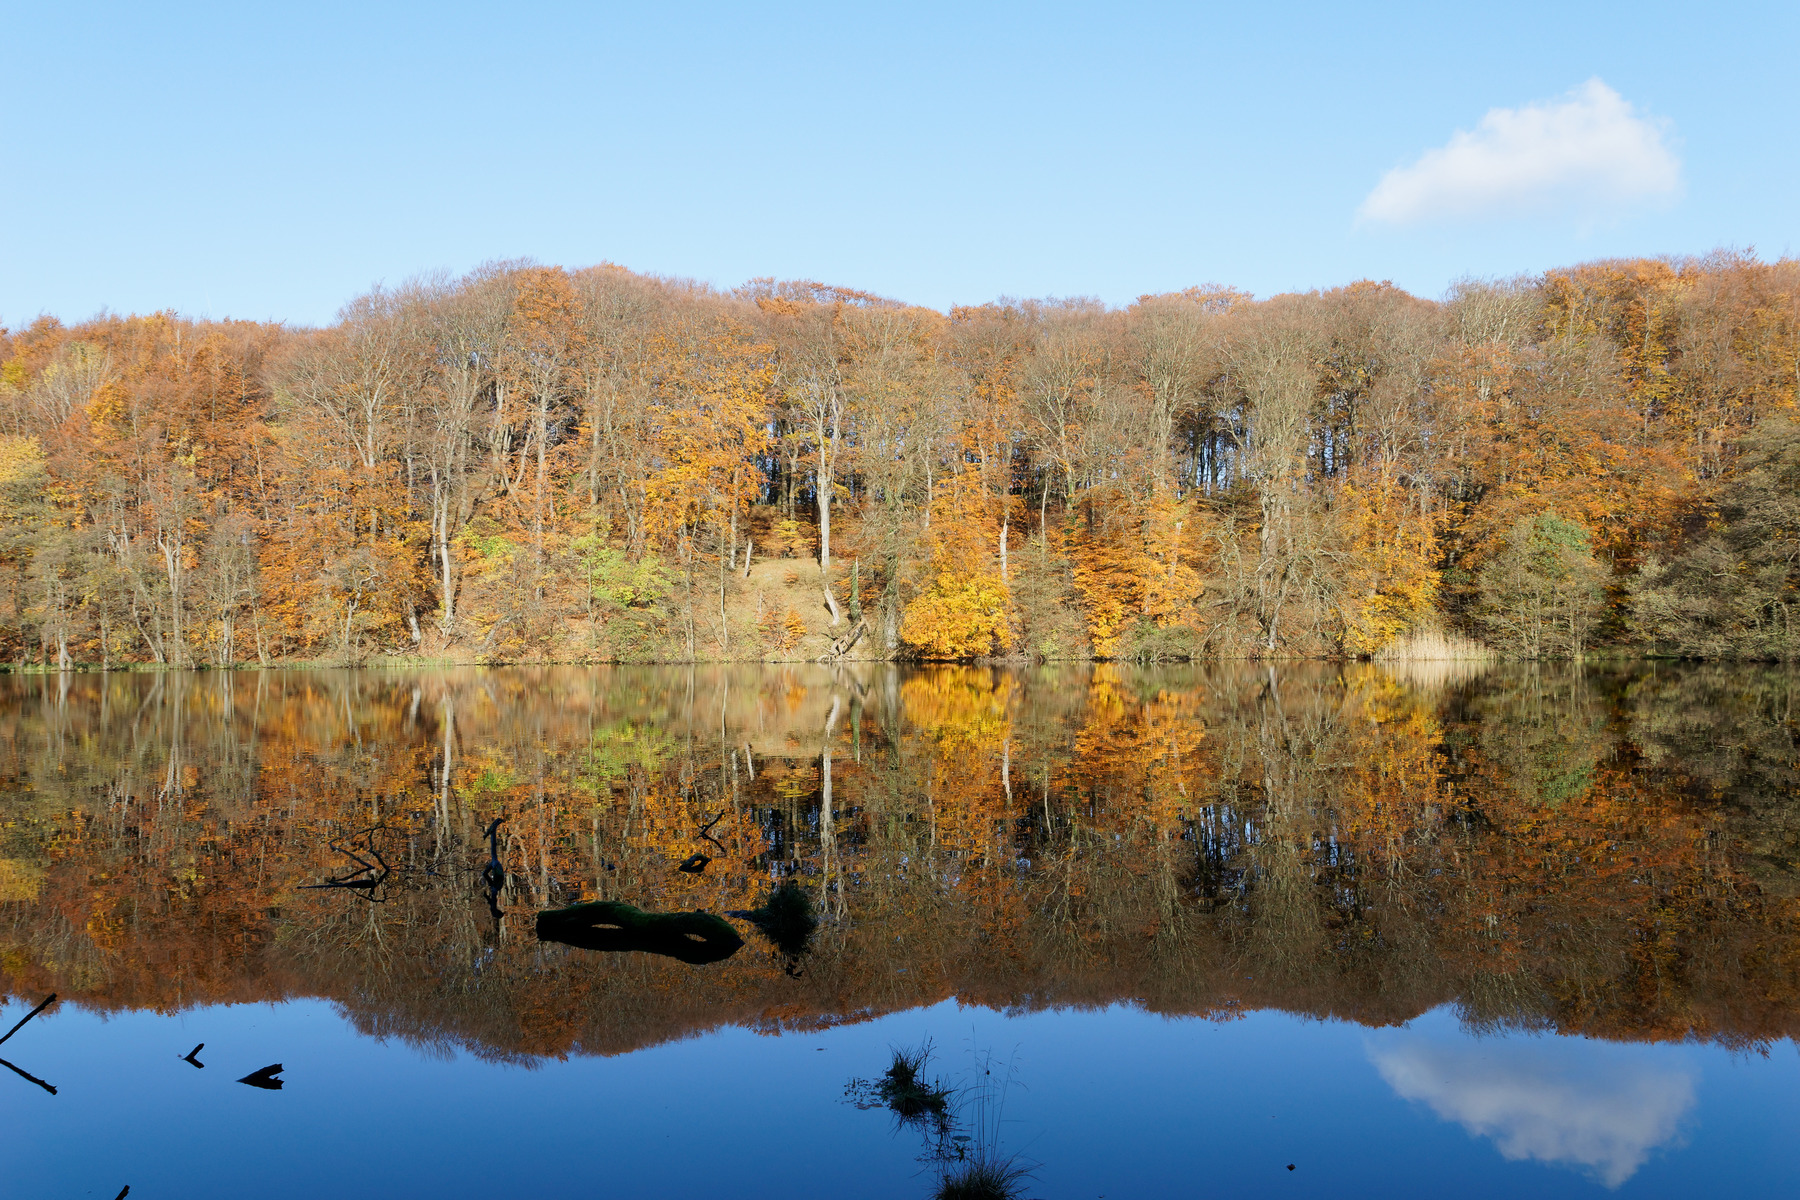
(1435, 658)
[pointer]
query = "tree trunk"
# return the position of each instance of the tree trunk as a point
(537, 533)
(440, 537)
(822, 483)
(724, 623)
(731, 561)
(171, 551)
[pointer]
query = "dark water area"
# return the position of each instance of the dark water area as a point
(1201, 931)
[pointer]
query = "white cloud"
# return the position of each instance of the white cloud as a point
(1588, 151)
(1591, 1110)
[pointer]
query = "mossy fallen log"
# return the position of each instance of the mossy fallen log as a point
(611, 925)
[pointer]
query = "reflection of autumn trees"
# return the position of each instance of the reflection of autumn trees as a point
(1605, 853)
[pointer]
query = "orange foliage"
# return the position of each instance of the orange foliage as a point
(1359, 846)
(531, 463)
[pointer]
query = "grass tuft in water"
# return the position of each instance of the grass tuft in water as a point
(904, 1091)
(786, 918)
(960, 1124)
(984, 1179)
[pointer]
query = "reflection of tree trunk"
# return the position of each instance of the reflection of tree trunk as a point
(727, 756)
(449, 750)
(1285, 914)
(827, 832)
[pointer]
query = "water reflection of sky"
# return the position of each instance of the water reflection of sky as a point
(1599, 1106)
(1113, 1102)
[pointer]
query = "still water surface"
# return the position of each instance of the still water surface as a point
(1166, 931)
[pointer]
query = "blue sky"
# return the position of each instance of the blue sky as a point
(271, 162)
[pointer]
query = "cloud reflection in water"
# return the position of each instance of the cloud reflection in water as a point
(1565, 1101)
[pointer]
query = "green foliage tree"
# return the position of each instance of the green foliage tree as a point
(615, 584)
(1730, 592)
(1542, 594)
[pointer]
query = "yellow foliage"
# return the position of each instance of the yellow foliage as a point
(958, 616)
(1392, 546)
(19, 881)
(965, 611)
(21, 461)
(22, 479)
(1168, 581)
(709, 426)
(961, 709)
(1131, 564)
(107, 407)
(789, 541)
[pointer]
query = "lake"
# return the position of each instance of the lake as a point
(1227, 929)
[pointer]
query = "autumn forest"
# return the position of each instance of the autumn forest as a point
(535, 464)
